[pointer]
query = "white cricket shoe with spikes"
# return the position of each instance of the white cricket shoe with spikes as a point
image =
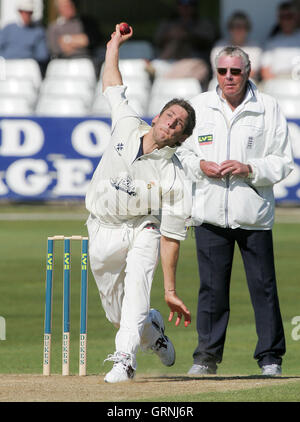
(163, 346)
(123, 368)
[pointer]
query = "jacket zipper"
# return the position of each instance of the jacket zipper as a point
(227, 180)
(228, 125)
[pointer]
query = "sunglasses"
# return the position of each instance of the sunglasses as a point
(233, 70)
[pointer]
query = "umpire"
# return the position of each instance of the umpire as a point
(239, 149)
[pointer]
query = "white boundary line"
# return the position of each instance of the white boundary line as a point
(41, 216)
(282, 215)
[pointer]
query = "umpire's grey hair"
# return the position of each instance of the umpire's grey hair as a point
(234, 51)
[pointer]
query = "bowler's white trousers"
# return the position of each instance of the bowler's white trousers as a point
(123, 260)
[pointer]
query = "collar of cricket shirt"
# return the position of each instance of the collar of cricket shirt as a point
(165, 153)
(251, 101)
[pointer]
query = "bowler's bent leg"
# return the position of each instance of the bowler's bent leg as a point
(142, 261)
(108, 250)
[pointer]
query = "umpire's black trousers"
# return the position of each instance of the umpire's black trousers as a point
(215, 248)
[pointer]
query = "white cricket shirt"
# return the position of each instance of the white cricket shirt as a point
(135, 188)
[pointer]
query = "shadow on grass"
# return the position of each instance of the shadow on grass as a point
(181, 378)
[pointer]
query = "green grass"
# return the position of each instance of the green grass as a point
(22, 299)
(278, 393)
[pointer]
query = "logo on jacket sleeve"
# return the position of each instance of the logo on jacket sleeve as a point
(205, 139)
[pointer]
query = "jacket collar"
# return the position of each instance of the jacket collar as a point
(165, 152)
(252, 102)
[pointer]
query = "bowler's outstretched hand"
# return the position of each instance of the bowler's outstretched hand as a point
(176, 305)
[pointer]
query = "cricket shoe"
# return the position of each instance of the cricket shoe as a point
(272, 370)
(163, 346)
(123, 368)
(201, 370)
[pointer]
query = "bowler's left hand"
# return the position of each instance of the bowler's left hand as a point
(176, 305)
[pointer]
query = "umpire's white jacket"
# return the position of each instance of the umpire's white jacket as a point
(129, 187)
(256, 134)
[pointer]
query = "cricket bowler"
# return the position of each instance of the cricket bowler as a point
(138, 212)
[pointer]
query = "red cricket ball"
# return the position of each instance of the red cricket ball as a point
(124, 28)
